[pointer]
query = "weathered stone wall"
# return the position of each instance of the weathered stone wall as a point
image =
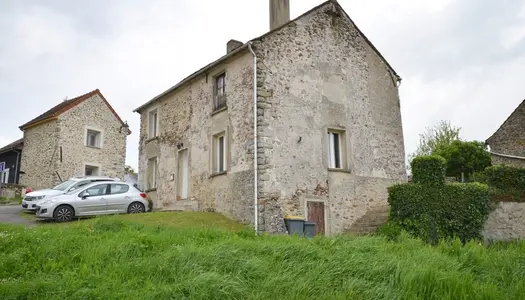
(501, 160)
(314, 74)
(506, 222)
(12, 190)
(92, 113)
(186, 119)
(509, 139)
(39, 156)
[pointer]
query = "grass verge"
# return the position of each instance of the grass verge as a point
(137, 257)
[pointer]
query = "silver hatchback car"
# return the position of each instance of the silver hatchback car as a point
(97, 198)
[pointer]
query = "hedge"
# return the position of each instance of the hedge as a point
(507, 183)
(429, 170)
(432, 213)
(431, 209)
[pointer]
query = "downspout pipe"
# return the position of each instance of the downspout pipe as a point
(255, 167)
(17, 176)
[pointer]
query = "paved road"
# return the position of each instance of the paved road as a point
(11, 214)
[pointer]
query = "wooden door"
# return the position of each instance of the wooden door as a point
(316, 214)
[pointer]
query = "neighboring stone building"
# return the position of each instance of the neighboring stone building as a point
(329, 138)
(81, 136)
(507, 144)
(10, 157)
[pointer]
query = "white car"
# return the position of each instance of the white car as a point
(31, 199)
(97, 198)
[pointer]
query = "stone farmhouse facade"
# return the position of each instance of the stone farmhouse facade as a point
(80, 136)
(507, 144)
(304, 120)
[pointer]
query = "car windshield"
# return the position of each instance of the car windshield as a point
(64, 185)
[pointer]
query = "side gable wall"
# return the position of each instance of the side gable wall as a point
(316, 74)
(39, 156)
(92, 113)
(509, 139)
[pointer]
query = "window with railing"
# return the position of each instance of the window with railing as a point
(219, 95)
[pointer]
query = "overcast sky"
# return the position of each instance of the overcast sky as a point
(460, 60)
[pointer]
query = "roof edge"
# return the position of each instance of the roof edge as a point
(487, 141)
(12, 146)
(193, 76)
(507, 155)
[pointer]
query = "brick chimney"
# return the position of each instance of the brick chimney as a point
(232, 45)
(279, 13)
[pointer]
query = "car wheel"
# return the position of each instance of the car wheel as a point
(136, 208)
(63, 213)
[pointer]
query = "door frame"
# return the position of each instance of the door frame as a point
(304, 202)
(179, 180)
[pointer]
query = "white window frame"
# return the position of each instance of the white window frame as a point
(336, 151)
(152, 134)
(216, 154)
(99, 138)
(4, 176)
(99, 173)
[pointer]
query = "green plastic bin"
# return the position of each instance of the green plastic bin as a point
(294, 225)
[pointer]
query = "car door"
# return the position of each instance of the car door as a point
(118, 198)
(95, 202)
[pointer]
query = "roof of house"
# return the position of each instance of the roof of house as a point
(521, 105)
(18, 144)
(247, 44)
(66, 105)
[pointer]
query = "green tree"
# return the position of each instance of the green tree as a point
(130, 170)
(441, 135)
(465, 158)
(436, 137)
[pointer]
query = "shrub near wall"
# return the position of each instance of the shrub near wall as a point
(507, 183)
(432, 209)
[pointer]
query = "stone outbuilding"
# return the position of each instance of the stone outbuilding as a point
(507, 144)
(304, 120)
(77, 137)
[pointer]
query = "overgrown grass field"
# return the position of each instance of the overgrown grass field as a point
(120, 258)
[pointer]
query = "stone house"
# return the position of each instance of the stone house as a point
(309, 112)
(77, 137)
(507, 144)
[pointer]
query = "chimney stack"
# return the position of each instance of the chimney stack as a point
(232, 45)
(279, 13)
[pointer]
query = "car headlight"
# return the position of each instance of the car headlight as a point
(40, 197)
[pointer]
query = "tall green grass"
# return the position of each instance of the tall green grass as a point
(115, 258)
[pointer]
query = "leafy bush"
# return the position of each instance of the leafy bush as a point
(429, 169)
(391, 231)
(507, 183)
(432, 209)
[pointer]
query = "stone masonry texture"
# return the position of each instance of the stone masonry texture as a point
(506, 222)
(318, 73)
(42, 144)
(186, 119)
(313, 74)
(509, 139)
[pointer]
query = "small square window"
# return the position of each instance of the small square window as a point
(336, 149)
(219, 94)
(153, 123)
(219, 153)
(91, 171)
(93, 138)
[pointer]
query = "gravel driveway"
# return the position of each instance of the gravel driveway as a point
(11, 214)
